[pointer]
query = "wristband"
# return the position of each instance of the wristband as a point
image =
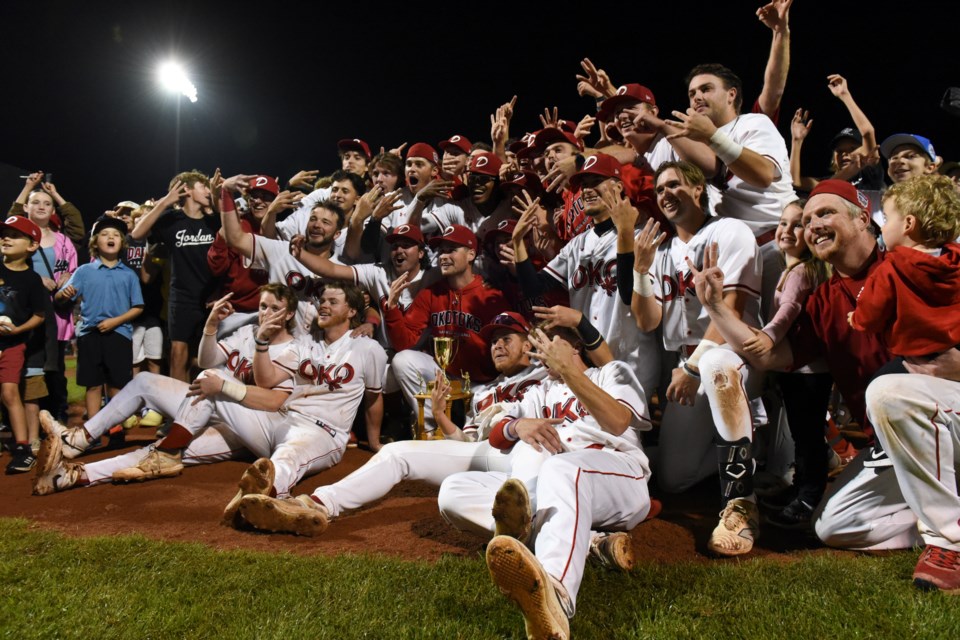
(510, 432)
(643, 284)
(209, 334)
(588, 333)
(236, 391)
(263, 350)
(726, 149)
(704, 346)
(260, 343)
(690, 372)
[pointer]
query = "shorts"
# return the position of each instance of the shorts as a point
(185, 322)
(33, 388)
(11, 363)
(147, 343)
(104, 358)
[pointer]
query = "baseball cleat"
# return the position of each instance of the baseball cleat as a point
(512, 512)
(75, 439)
(156, 464)
(613, 550)
(738, 528)
(938, 569)
(797, 515)
(301, 515)
(256, 480)
(521, 577)
(51, 473)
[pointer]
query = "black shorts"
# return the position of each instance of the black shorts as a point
(185, 322)
(104, 358)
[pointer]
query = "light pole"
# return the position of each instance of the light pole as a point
(173, 78)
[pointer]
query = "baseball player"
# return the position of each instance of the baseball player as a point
(456, 156)
(590, 420)
(706, 374)
(425, 201)
(431, 461)
(864, 507)
(587, 267)
(457, 306)
(233, 355)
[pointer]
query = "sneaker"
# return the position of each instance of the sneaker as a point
(150, 418)
(613, 550)
(512, 512)
(739, 526)
(795, 516)
(520, 576)
(938, 568)
(52, 474)
(256, 480)
(301, 515)
(75, 440)
(156, 464)
(23, 459)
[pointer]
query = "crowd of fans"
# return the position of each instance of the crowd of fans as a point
(687, 260)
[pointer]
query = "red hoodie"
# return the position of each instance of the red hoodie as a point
(913, 299)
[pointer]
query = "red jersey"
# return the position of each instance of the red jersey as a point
(439, 311)
(913, 299)
(572, 221)
(822, 331)
(243, 281)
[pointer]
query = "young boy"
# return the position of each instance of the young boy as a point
(913, 297)
(22, 307)
(110, 297)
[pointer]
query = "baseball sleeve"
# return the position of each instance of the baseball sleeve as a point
(619, 381)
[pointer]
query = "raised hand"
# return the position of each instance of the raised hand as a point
(776, 15)
(558, 316)
(645, 246)
(584, 127)
(550, 120)
(304, 179)
(437, 187)
(396, 288)
(387, 205)
(594, 82)
(800, 125)
(33, 180)
(693, 125)
(838, 86)
(284, 200)
(708, 281)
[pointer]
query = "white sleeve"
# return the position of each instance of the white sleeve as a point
(739, 257)
(662, 152)
(374, 365)
(619, 381)
(559, 267)
(761, 137)
(265, 251)
(289, 358)
(365, 276)
(296, 222)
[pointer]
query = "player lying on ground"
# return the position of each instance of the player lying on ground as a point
(590, 419)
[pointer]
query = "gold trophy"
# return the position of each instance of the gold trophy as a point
(443, 353)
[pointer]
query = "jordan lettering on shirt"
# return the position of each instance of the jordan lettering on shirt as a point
(565, 410)
(456, 318)
(334, 376)
(597, 275)
(506, 393)
(185, 239)
(241, 367)
(677, 287)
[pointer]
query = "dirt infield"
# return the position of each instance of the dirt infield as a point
(404, 524)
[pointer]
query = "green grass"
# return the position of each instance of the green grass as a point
(75, 394)
(132, 587)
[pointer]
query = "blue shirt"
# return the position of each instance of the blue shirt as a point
(106, 292)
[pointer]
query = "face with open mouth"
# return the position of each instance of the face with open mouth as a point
(405, 255)
(419, 172)
(109, 243)
(481, 187)
(259, 201)
(556, 152)
(14, 243)
(828, 227)
(508, 350)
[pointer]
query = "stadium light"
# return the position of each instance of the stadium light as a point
(173, 78)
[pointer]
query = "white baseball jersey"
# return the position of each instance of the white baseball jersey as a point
(684, 319)
(376, 280)
(470, 216)
(434, 211)
(273, 256)
(587, 268)
(579, 430)
(296, 222)
(330, 379)
(502, 389)
(730, 196)
(238, 349)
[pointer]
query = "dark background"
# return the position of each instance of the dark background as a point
(280, 82)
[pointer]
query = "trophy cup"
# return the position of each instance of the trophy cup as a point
(444, 350)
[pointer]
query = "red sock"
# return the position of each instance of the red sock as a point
(178, 438)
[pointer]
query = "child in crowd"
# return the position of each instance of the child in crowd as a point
(110, 298)
(913, 297)
(22, 307)
(806, 392)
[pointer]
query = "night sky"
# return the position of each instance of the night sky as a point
(279, 83)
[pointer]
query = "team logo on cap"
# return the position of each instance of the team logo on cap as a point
(862, 199)
(503, 225)
(622, 90)
(402, 229)
(481, 161)
(592, 160)
(260, 181)
(448, 231)
(357, 140)
(10, 220)
(455, 139)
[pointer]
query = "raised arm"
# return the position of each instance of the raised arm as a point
(209, 355)
(644, 304)
(838, 87)
(799, 130)
(776, 16)
(237, 239)
(147, 220)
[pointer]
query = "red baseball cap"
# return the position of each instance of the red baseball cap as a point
(264, 183)
(425, 151)
(406, 231)
(485, 163)
(355, 144)
(457, 142)
(600, 164)
(551, 135)
(526, 179)
(507, 321)
(843, 189)
(504, 226)
(625, 94)
(526, 146)
(455, 234)
(24, 226)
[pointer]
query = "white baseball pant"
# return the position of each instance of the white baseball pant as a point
(157, 392)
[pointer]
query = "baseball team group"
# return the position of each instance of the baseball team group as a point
(643, 296)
